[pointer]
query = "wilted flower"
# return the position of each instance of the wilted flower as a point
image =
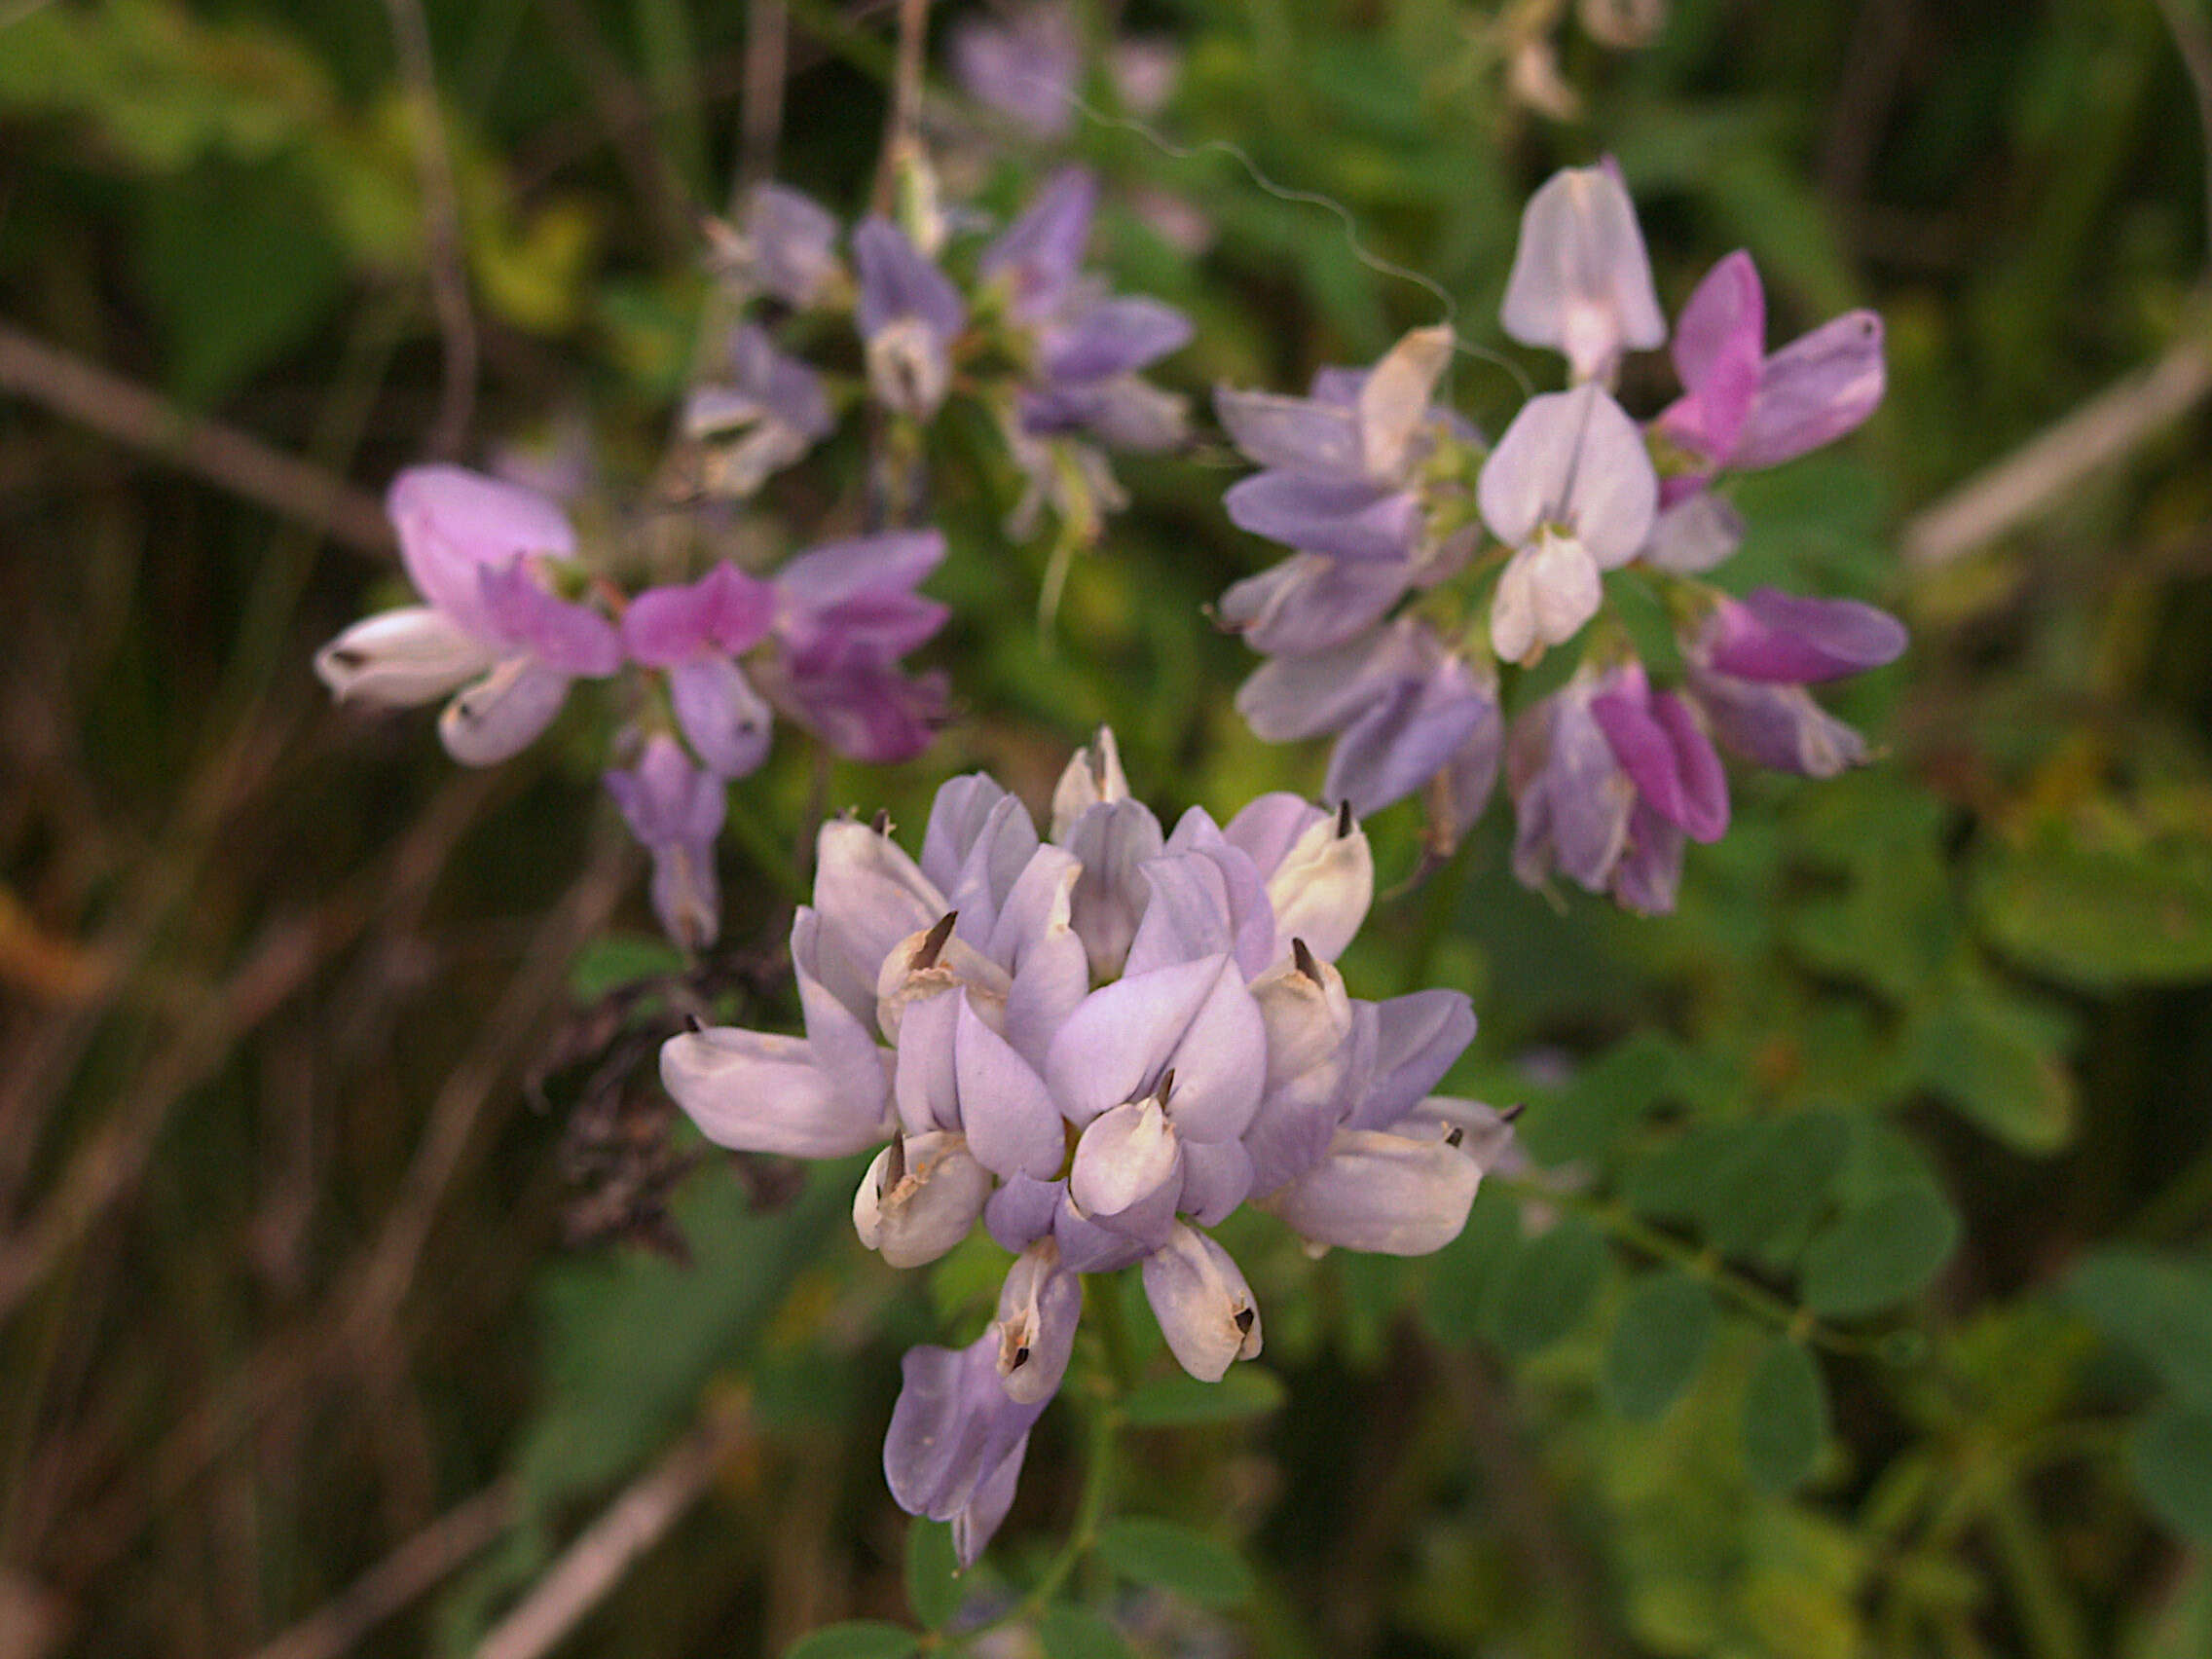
(1098, 1045)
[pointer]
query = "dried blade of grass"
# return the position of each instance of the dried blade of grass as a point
(225, 456)
(595, 1564)
(399, 1580)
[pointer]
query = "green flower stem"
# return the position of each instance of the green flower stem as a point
(2050, 1622)
(767, 853)
(1700, 1261)
(1108, 1384)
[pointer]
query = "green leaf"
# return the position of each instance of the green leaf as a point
(1744, 1183)
(621, 959)
(1785, 1416)
(1879, 1254)
(933, 1590)
(857, 1639)
(631, 1340)
(1181, 1400)
(2157, 1304)
(2171, 1455)
(1546, 1288)
(1175, 1557)
(1070, 1632)
(1994, 1061)
(2098, 902)
(232, 300)
(1460, 1276)
(1658, 1341)
(1774, 1181)
(1605, 1099)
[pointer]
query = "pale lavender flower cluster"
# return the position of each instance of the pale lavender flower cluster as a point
(1425, 559)
(510, 616)
(1052, 357)
(1098, 1045)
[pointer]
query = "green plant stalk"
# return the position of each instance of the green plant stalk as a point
(1701, 1261)
(2050, 1622)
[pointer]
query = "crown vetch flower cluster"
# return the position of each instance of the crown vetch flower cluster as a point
(512, 612)
(511, 617)
(1389, 500)
(1014, 322)
(1098, 1045)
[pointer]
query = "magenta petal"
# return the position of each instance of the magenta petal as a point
(1418, 1038)
(1305, 436)
(844, 1044)
(1205, 1308)
(1777, 725)
(1217, 1177)
(1087, 1247)
(1719, 345)
(925, 1082)
(1115, 337)
(1697, 768)
(577, 640)
(1392, 1195)
(1310, 602)
(665, 625)
(1406, 737)
(727, 724)
(665, 800)
(1268, 826)
(454, 522)
(897, 280)
(502, 714)
(758, 1092)
(1572, 798)
(974, 1526)
(1640, 744)
(1785, 639)
(1040, 253)
(1815, 390)
(1349, 521)
(1021, 1211)
(962, 814)
(1203, 904)
(1036, 941)
(1650, 869)
(1116, 1045)
(836, 572)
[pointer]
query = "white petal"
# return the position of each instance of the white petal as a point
(501, 715)
(1205, 1308)
(399, 658)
